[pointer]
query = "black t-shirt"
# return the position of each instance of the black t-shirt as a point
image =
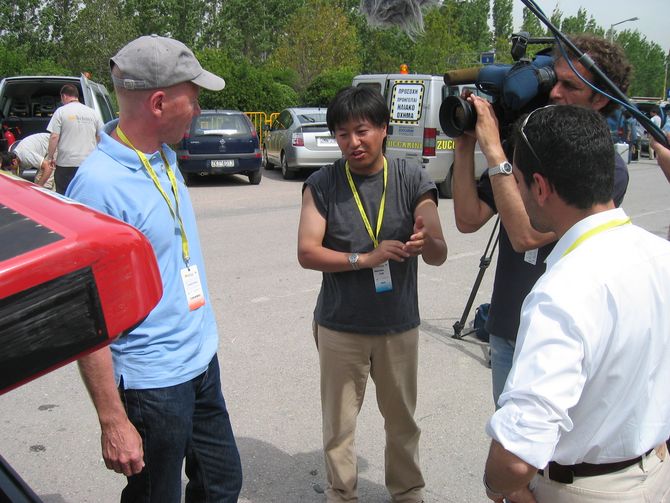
(515, 276)
(348, 301)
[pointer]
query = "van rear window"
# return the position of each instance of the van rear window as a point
(374, 85)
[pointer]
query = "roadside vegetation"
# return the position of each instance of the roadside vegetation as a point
(278, 53)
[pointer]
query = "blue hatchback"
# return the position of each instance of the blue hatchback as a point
(220, 142)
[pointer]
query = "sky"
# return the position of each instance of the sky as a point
(653, 22)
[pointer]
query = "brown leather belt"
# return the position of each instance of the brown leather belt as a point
(565, 474)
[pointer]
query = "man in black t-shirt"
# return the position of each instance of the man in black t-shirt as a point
(522, 249)
(363, 223)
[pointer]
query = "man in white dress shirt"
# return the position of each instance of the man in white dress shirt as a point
(585, 414)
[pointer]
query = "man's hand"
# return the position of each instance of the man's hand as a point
(121, 443)
(46, 168)
(466, 141)
(487, 132)
(521, 496)
(418, 238)
(387, 250)
(122, 448)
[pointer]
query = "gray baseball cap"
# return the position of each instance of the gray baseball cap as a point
(153, 62)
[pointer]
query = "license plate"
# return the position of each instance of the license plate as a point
(326, 141)
(225, 163)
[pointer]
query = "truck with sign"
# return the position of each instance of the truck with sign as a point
(415, 135)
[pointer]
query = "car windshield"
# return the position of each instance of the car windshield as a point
(219, 124)
(307, 118)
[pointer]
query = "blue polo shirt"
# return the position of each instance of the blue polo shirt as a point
(173, 344)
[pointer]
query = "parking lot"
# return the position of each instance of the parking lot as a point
(264, 301)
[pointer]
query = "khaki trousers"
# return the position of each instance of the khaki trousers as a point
(346, 359)
(645, 482)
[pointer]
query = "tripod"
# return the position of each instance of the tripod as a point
(484, 262)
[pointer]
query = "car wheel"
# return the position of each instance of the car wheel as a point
(444, 188)
(265, 162)
(285, 171)
(255, 177)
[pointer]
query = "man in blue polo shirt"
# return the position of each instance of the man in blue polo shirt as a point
(157, 390)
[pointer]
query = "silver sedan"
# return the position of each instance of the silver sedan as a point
(299, 139)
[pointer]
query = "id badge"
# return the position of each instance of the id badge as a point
(382, 275)
(530, 257)
(192, 287)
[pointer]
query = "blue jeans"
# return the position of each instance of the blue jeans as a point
(189, 421)
(502, 353)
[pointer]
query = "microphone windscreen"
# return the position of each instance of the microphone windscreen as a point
(404, 14)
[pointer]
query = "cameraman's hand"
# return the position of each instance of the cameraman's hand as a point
(487, 131)
(467, 140)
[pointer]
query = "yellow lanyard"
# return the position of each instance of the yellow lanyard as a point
(596, 230)
(380, 217)
(173, 181)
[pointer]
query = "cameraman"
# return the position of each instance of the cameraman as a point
(522, 249)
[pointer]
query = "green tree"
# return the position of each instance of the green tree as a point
(11, 59)
(324, 87)
(249, 27)
(472, 25)
(19, 61)
(185, 21)
(19, 22)
(248, 88)
(382, 50)
(96, 34)
(318, 36)
(440, 47)
(532, 24)
(385, 49)
(149, 16)
(43, 66)
(648, 61)
(556, 16)
(502, 30)
(55, 18)
(581, 23)
(502, 19)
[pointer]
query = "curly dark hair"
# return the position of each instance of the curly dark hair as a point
(609, 57)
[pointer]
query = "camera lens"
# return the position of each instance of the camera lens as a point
(457, 115)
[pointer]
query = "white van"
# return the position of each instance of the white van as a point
(415, 135)
(28, 102)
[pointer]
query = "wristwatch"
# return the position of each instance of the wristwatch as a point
(504, 168)
(353, 261)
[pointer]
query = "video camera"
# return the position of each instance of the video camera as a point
(515, 89)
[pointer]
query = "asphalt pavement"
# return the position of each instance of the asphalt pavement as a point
(264, 302)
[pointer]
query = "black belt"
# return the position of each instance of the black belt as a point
(565, 474)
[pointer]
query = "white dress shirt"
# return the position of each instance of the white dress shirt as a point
(591, 367)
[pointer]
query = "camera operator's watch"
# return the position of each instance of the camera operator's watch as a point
(353, 261)
(504, 168)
